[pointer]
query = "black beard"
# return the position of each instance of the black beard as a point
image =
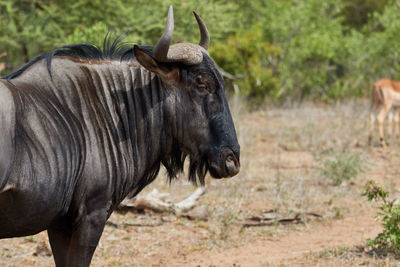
(198, 165)
(198, 168)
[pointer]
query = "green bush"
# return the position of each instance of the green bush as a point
(92, 35)
(340, 166)
(294, 49)
(389, 239)
(246, 53)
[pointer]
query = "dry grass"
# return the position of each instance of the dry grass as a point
(280, 148)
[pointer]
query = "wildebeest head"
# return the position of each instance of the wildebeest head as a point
(197, 108)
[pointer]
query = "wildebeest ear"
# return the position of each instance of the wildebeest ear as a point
(147, 61)
(170, 76)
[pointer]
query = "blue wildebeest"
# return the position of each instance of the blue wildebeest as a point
(81, 129)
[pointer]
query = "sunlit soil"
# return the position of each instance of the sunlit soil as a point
(283, 155)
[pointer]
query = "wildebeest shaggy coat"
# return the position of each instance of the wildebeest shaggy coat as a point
(81, 129)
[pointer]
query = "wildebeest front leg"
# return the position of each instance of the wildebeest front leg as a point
(59, 241)
(77, 249)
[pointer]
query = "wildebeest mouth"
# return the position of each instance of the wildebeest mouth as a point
(225, 165)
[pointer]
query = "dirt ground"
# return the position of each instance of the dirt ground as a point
(283, 155)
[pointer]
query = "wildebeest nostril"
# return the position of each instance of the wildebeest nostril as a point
(231, 165)
(225, 164)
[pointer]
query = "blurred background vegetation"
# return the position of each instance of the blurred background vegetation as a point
(281, 50)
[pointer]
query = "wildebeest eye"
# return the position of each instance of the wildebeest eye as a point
(202, 87)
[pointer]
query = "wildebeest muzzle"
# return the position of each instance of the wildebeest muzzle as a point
(226, 163)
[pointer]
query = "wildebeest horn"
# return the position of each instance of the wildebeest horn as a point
(161, 49)
(190, 54)
(204, 36)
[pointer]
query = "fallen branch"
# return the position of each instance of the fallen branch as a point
(153, 201)
(189, 203)
(268, 219)
(125, 225)
(231, 76)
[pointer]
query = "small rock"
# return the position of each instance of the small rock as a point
(359, 144)
(199, 213)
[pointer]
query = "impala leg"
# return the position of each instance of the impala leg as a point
(396, 123)
(371, 126)
(380, 118)
(390, 124)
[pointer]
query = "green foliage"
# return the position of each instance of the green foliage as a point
(245, 53)
(389, 239)
(358, 13)
(378, 52)
(340, 166)
(334, 252)
(310, 34)
(93, 35)
(297, 49)
(28, 28)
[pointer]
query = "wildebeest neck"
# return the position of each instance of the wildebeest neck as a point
(120, 107)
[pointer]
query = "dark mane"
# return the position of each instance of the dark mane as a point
(113, 48)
